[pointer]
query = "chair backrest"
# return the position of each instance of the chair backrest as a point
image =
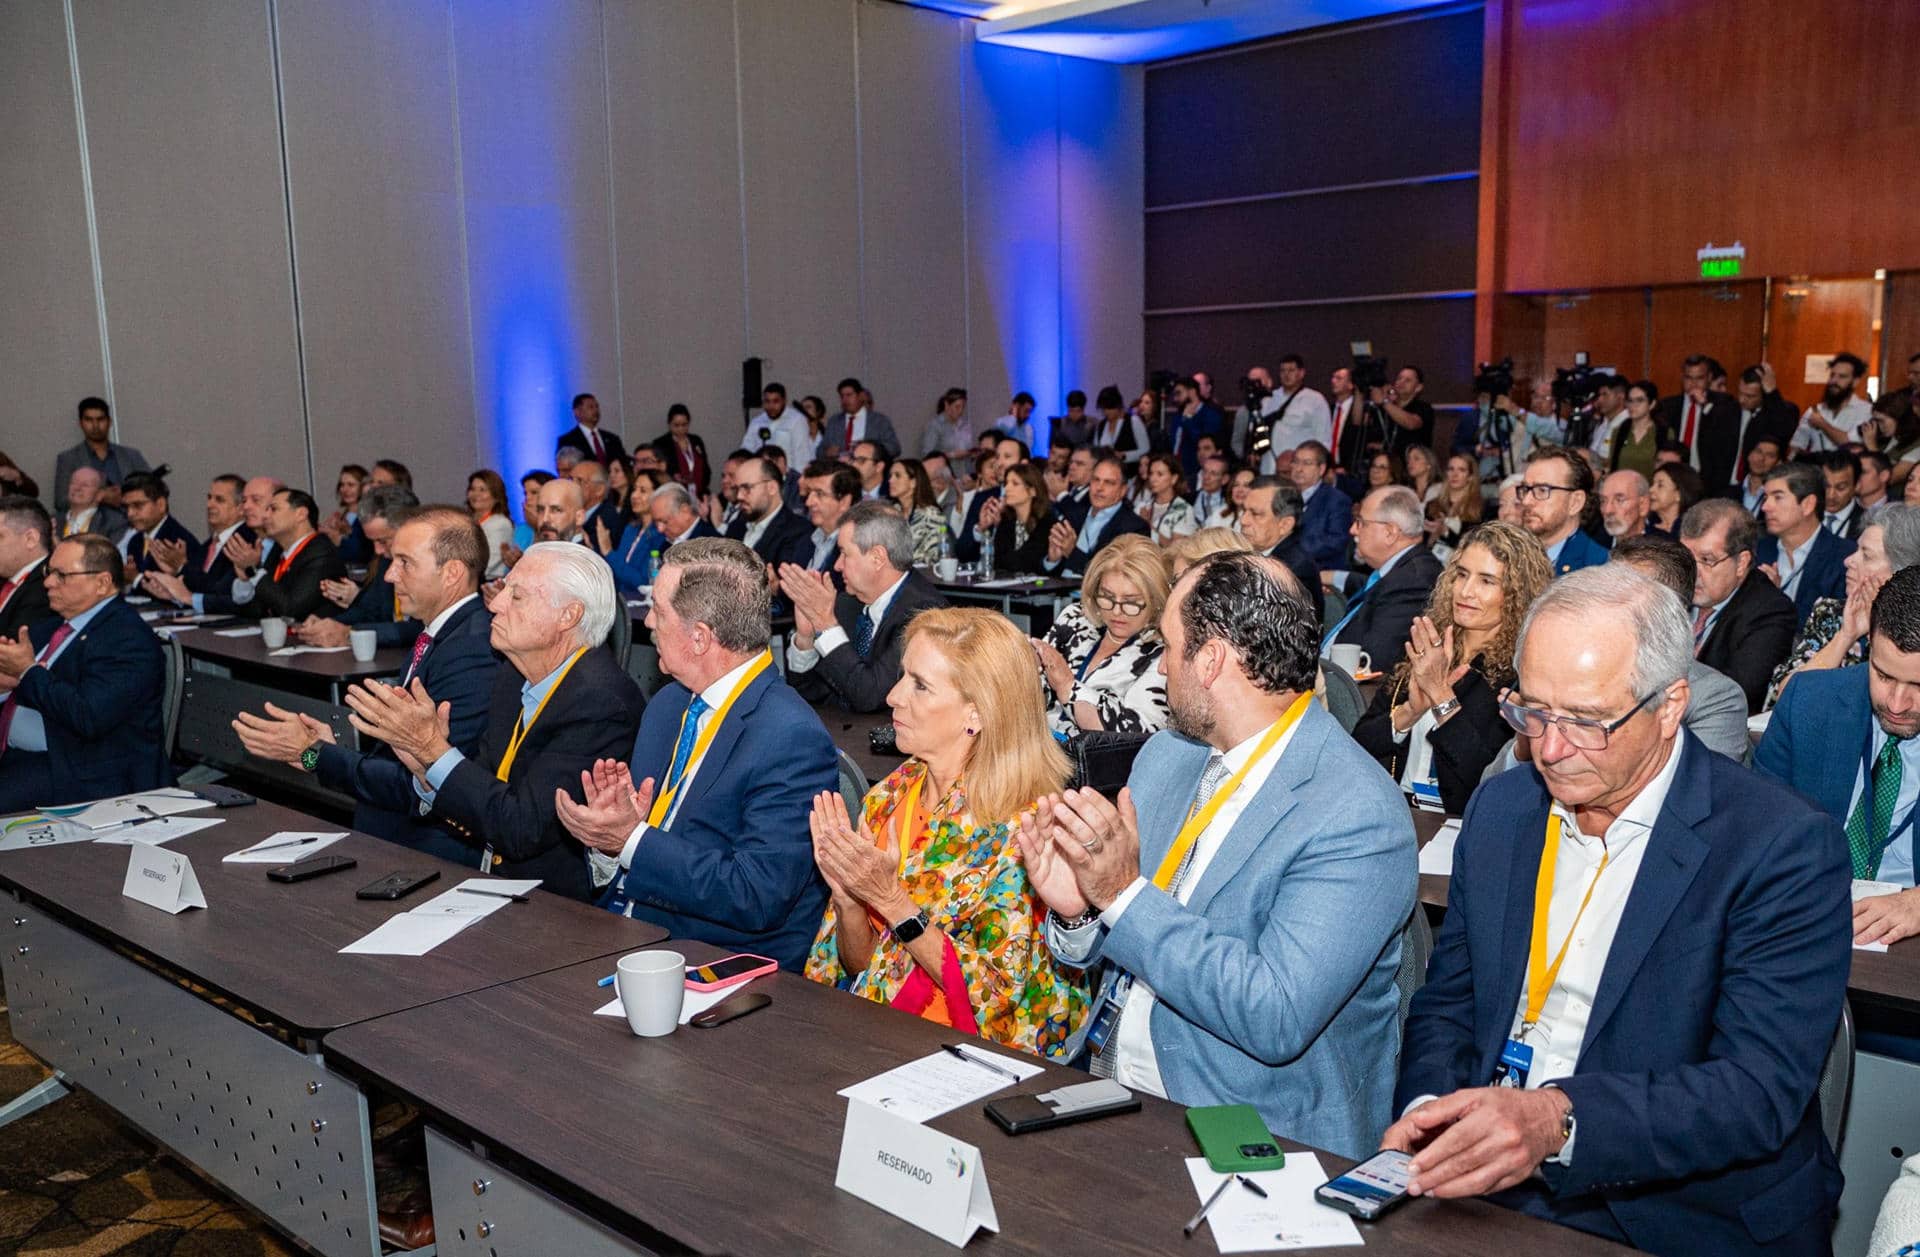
(173, 694)
(1343, 695)
(1416, 948)
(1836, 1080)
(853, 786)
(1103, 760)
(620, 636)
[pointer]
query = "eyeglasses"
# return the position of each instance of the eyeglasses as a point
(1126, 606)
(1581, 733)
(54, 573)
(744, 485)
(1540, 491)
(1384, 523)
(1711, 561)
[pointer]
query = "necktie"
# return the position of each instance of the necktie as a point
(213, 552)
(846, 447)
(1873, 815)
(1339, 417)
(1102, 1063)
(683, 749)
(599, 450)
(1693, 413)
(1833, 524)
(863, 634)
(1700, 628)
(1353, 609)
(60, 635)
(6, 591)
(420, 645)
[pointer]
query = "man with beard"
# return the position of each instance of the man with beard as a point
(1837, 420)
(1253, 880)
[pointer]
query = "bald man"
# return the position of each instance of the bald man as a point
(86, 512)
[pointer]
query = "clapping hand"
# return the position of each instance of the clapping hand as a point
(1431, 674)
(16, 655)
(1061, 539)
(169, 586)
(280, 735)
(168, 556)
(340, 593)
(1771, 571)
(404, 718)
(1047, 870)
(244, 555)
(602, 537)
(612, 807)
(856, 868)
(509, 553)
(812, 596)
(1099, 841)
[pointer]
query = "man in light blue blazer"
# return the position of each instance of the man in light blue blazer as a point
(1259, 967)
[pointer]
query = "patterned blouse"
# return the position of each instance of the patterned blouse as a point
(1175, 519)
(1822, 623)
(1126, 689)
(929, 525)
(999, 980)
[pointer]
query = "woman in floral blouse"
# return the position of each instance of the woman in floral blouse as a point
(931, 909)
(1167, 513)
(1835, 633)
(1101, 658)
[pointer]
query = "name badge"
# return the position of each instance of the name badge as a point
(1516, 1062)
(161, 879)
(915, 1173)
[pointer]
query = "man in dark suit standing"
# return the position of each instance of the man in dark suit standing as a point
(856, 422)
(1072, 542)
(1743, 625)
(1806, 561)
(82, 717)
(563, 704)
(1705, 422)
(1388, 533)
(435, 561)
(1760, 412)
(1326, 513)
(586, 438)
(1840, 513)
(1642, 965)
(775, 534)
(26, 532)
(713, 844)
(148, 508)
(846, 650)
(1270, 521)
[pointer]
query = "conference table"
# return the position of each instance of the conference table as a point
(203, 1029)
(1028, 601)
(727, 1140)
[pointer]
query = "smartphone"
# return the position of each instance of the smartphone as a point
(729, 972)
(316, 866)
(1234, 1138)
(1081, 1102)
(397, 885)
(729, 1008)
(1370, 1188)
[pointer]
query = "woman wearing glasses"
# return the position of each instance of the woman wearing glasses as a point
(1101, 658)
(1436, 724)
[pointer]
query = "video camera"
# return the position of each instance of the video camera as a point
(1495, 379)
(1369, 372)
(1576, 385)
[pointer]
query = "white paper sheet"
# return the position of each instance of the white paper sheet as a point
(21, 833)
(281, 852)
(108, 813)
(286, 651)
(1437, 855)
(938, 1083)
(252, 630)
(432, 923)
(1864, 889)
(1289, 1216)
(154, 833)
(695, 1003)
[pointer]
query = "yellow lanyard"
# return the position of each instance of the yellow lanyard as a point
(524, 724)
(1199, 818)
(663, 802)
(1540, 974)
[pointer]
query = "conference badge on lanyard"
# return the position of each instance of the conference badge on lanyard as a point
(1516, 1058)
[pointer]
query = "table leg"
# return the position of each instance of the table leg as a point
(34, 1099)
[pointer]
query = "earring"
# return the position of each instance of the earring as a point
(972, 732)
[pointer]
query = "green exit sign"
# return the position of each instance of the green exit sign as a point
(1721, 262)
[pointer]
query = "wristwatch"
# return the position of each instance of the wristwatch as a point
(1444, 709)
(310, 758)
(911, 928)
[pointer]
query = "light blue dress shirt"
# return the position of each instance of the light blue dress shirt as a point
(29, 731)
(1896, 862)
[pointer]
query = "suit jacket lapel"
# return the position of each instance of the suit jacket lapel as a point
(1514, 894)
(1162, 812)
(1264, 811)
(724, 739)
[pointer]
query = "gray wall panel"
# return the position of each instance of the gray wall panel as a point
(1102, 174)
(49, 330)
(376, 215)
(183, 133)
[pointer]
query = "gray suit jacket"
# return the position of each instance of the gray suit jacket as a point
(879, 431)
(1274, 984)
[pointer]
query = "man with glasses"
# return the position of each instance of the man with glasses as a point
(1554, 494)
(1387, 536)
(1074, 540)
(1642, 965)
(769, 531)
(870, 461)
(1326, 513)
(1742, 625)
(84, 689)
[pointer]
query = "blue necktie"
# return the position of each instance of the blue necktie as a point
(1353, 609)
(863, 634)
(683, 749)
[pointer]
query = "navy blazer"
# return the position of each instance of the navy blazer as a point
(1579, 551)
(1825, 575)
(372, 608)
(1820, 735)
(1698, 1127)
(458, 669)
(787, 538)
(171, 529)
(591, 714)
(101, 704)
(1299, 559)
(1382, 616)
(27, 604)
(841, 677)
(966, 543)
(735, 866)
(572, 439)
(216, 577)
(1326, 525)
(297, 594)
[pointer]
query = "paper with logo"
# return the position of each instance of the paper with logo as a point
(21, 833)
(161, 879)
(940, 1083)
(1437, 855)
(112, 813)
(1288, 1217)
(1864, 889)
(419, 931)
(934, 1181)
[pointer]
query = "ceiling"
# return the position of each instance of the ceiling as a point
(1130, 31)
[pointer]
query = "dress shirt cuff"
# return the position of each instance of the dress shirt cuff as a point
(1416, 1102)
(801, 660)
(442, 768)
(829, 640)
(1075, 945)
(1565, 1155)
(242, 591)
(1110, 915)
(640, 831)
(198, 602)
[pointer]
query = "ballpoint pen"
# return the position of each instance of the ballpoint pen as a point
(493, 894)
(1252, 1186)
(1193, 1223)
(956, 1050)
(281, 846)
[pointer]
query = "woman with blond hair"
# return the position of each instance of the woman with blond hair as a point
(1184, 552)
(1436, 723)
(931, 910)
(1101, 658)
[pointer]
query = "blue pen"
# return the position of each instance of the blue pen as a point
(606, 981)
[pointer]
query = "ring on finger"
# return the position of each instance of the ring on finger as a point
(1092, 845)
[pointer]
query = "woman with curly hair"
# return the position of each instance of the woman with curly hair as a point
(1436, 724)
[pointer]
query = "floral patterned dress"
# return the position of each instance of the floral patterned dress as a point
(998, 979)
(1822, 623)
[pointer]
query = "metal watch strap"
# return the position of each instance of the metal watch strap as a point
(1085, 919)
(1445, 708)
(911, 928)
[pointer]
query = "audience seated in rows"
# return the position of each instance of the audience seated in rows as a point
(1835, 634)
(1806, 561)
(371, 604)
(1742, 624)
(147, 503)
(1080, 533)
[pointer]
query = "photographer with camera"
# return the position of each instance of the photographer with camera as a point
(1289, 416)
(1401, 403)
(1501, 437)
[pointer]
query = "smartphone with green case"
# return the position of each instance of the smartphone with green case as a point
(1234, 1138)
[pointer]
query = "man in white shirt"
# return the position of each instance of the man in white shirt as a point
(1837, 419)
(1640, 1064)
(777, 423)
(1018, 421)
(1296, 414)
(1609, 412)
(1243, 906)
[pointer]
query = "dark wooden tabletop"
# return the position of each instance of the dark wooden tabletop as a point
(251, 654)
(727, 1140)
(1048, 587)
(274, 946)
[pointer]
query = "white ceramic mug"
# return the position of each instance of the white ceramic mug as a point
(1352, 659)
(652, 985)
(273, 632)
(947, 569)
(365, 644)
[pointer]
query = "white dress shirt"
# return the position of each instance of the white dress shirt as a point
(833, 636)
(790, 432)
(1792, 564)
(1308, 418)
(1852, 416)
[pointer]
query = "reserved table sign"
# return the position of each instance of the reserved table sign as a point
(915, 1173)
(161, 879)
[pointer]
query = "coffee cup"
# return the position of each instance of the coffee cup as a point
(652, 985)
(1351, 659)
(273, 632)
(947, 569)
(364, 643)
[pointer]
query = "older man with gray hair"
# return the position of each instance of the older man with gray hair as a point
(1625, 500)
(563, 704)
(846, 648)
(1388, 531)
(1642, 964)
(676, 516)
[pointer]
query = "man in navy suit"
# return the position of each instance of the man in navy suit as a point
(1642, 1063)
(82, 716)
(206, 566)
(26, 533)
(1326, 519)
(1388, 535)
(1072, 543)
(146, 501)
(586, 438)
(764, 524)
(1555, 492)
(1806, 561)
(433, 567)
(713, 844)
(1847, 738)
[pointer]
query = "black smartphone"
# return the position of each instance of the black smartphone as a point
(397, 885)
(1063, 1106)
(1370, 1188)
(223, 796)
(727, 1009)
(305, 870)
